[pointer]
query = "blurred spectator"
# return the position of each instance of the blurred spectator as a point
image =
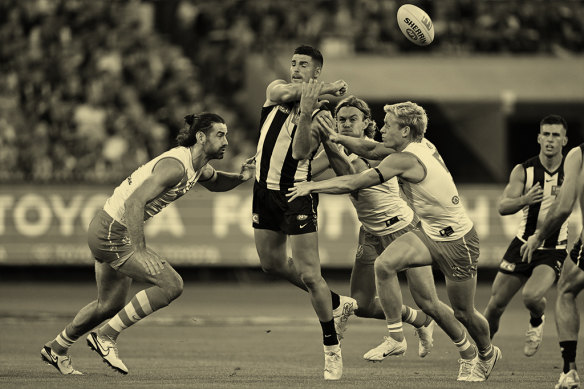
(89, 90)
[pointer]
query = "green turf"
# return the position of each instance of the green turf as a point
(246, 336)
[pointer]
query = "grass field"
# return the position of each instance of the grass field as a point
(246, 335)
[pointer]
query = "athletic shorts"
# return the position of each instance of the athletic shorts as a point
(576, 254)
(371, 246)
(272, 211)
(457, 259)
(512, 262)
(108, 240)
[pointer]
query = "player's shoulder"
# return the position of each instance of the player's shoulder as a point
(575, 156)
(531, 162)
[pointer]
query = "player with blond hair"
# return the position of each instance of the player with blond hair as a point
(447, 237)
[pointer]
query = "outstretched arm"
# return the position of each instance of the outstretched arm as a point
(390, 167)
(561, 207)
(218, 181)
(363, 147)
(280, 91)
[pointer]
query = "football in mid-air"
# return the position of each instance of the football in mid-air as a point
(415, 24)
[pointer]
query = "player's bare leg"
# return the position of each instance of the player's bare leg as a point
(307, 261)
(112, 289)
(271, 248)
(504, 287)
(570, 285)
(423, 290)
(167, 286)
(541, 280)
(461, 295)
(400, 254)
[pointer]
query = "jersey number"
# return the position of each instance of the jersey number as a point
(440, 160)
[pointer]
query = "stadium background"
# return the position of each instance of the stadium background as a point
(91, 89)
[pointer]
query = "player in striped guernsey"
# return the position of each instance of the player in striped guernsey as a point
(571, 280)
(533, 186)
(447, 237)
(116, 240)
(287, 143)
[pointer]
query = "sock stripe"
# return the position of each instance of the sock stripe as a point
(66, 337)
(395, 327)
(144, 302)
(139, 311)
(131, 311)
(117, 324)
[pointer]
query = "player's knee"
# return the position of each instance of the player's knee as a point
(384, 268)
(531, 298)
(311, 279)
(172, 286)
(462, 316)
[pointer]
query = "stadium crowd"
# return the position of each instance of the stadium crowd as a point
(90, 89)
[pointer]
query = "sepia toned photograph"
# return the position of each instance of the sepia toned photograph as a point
(291, 194)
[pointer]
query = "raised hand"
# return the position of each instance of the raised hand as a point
(309, 97)
(327, 127)
(342, 87)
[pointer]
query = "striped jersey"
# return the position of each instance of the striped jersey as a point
(435, 199)
(534, 214)
(115, 204)
(277, 170)
(380, 208)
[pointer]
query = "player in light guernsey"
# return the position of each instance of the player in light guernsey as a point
(384, 216)
(571, 282)
(116, 240)
(533, 186)
(447, 237)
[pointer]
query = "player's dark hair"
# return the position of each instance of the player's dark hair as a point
(361, 105)
(554, 119)
(195, 123)
(311, 52)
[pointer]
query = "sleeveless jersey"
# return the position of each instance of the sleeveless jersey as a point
(380, 208)
(435, 198)
(277, 169)
(534, 214)
(115, 205)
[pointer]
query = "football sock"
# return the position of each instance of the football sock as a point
(568, 348)
(415, 317)
(142, 304)
(535, 321)
(63, 341)
(329, 335)
(464, 348)
(486, 353)
(336, 299)
(396, 331)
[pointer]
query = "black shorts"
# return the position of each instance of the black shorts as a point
(577, 255)
(272, 211)
(512, 262)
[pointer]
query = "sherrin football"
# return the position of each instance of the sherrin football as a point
(415, 24)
